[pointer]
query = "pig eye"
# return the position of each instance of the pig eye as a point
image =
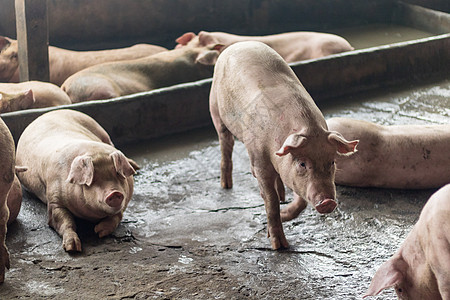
(303, 165)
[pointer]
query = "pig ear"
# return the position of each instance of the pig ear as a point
(122, 164)
(81, 170)
(293, 141)
(28, 100)
(388, 275)
(209, 57)
(4, 42)
(20, 169)
(344, 147)
(206, 38)
(185, 38)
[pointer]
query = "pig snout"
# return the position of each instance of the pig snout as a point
(114, 199)
(326, 206)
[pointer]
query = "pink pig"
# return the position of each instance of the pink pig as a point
(7, 157)
(292, 46)
(256, 97)
(75, 169)
(30, 94)
(421, 267)
(164, 69)
(396, 156)
(64, 62)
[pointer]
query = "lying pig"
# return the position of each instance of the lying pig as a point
(421, 267)
(256, 97)
(63, 62)
(7, 157)
(30, 94)
(74, 168)
(128, 77)
(292, 46)
(400, 156)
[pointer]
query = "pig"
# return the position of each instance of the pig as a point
(396, 156)
(256, 97)
(30, 94)
(64, 62)
(74, 168)
(292, 46)
(164, 69)
(7, 171)
(420, 269)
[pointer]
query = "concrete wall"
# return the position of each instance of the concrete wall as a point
(88, 23)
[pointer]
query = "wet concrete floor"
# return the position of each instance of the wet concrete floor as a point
(183, 237)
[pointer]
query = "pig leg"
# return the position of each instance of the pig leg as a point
(4, 215)
(293, 209)
(226, 140)
(63, 222)
(267, 181)
(279, 185)
(108, 225)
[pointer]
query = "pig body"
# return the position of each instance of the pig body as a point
(420, 269)
(74, 168)
(292, 46)
(64, 62)
(400, 156)
(7, 157)
(133, 76)
(30, 94)
(256, 97)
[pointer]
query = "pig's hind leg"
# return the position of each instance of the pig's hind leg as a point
(226, 141)
(4, 214)
(63, 222)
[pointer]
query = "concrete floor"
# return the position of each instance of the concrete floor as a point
(183, 237)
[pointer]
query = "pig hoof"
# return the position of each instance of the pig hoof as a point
(72, 244)
(226, 184)
(326, 206)
(278, 244)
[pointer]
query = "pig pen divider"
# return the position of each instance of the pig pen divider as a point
(184, 107)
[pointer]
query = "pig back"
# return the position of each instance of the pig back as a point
(254, 87)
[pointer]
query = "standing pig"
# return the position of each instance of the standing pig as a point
(399, 156)
(6, 181)
(133, 76)
(30, 94)
(74, 168)
(421, 267)
(64, 62)
(256, 97)
(292, 46)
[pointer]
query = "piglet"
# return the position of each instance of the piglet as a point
(395, 156)
(421, 267)
(74, 168)
(256, 97)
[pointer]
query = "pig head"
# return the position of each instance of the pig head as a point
(17, 101)
(421, 267)
(9, 63)
(310, 172)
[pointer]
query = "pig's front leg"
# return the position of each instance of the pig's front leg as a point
(293, 209)
(4, 254)
(108, 225)
(269, 193)
(63, 222)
